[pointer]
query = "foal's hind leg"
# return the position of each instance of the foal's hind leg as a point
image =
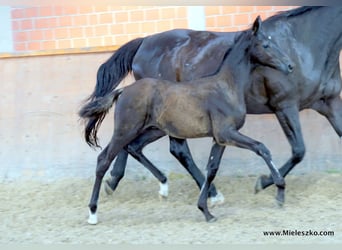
(135, 150)
(103, 162)
(117, 173)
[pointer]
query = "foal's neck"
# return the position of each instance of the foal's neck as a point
(236, 67)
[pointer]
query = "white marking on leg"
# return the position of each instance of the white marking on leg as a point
(217, 200)
(211, 158)
(163, 189)
(92, 220)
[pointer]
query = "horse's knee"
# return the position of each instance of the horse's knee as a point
(298, 154)
(263, 151)
(134, 149)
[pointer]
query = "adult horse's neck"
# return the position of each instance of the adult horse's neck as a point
(313, 35)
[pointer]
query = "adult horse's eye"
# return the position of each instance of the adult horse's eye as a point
(265, 45)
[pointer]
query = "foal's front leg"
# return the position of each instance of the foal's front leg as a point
(212, 167)
(233, 137)
(243, 141)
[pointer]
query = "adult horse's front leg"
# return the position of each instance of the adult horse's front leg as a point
(179, 148)
(289, 121)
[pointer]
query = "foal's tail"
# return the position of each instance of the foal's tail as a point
(109, 75)
(94, 112)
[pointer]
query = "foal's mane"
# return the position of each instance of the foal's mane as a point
(241, 36)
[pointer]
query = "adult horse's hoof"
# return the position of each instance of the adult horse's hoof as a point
(107, 187)
(216, 200)
(211, 219)
(259, 185)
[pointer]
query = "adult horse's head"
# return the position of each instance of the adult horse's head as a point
(266, 52)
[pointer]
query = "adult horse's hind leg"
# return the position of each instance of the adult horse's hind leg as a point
(289, 121)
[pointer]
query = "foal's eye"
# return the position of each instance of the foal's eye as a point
(265, 45)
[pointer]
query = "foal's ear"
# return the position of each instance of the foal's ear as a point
(256, 25)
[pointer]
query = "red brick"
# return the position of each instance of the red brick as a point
(20, 46)
(93, 19)
(26, 24)
(167, 13)
(95, 41)
(65, 21)
(70, 10)
(16, 25)
(229, 10)
(36, 35)
(212, 10)
(32, 12)
(18, 13)
(245, 9)
(241, 19)
(45, 11)
(34, 46)
(76, 32)
(41, 23)
(79, 43)
(49, 34)
(106, 18)
(136, 16)
(62, 33)
(80, 20)
(102, 30)
(117, 28)
(64, 44)
(20, 36)
(48, 45)
(121, 17)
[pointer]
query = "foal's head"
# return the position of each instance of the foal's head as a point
(266, 52)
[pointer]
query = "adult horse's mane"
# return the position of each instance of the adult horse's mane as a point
(293, 12)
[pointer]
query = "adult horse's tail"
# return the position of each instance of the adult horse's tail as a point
(109, 75)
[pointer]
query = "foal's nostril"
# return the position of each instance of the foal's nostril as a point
(290, 67)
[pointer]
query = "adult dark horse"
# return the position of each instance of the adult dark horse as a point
(213, 106)
(311, 36)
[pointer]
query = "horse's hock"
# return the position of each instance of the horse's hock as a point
(42, 137)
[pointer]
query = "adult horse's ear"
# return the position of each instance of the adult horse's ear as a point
(256, 25)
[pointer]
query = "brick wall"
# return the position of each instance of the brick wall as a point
(49, 28)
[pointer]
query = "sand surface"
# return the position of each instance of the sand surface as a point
(56, 212)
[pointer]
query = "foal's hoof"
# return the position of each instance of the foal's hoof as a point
(163, 190)
(259, 185)
(107, 187)
(92, 219)
(280, 199)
